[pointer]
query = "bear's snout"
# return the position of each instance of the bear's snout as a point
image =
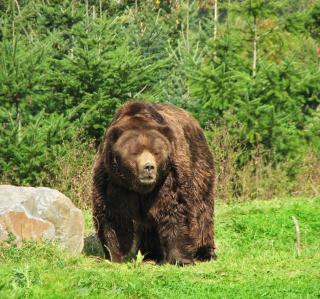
(148, 168)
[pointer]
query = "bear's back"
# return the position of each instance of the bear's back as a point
(177, 117)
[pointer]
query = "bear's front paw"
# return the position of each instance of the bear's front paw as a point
(181, 262)
(205, 254)
(177, 258)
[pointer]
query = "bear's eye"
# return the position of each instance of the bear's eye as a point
(135, 154)
(157, 153)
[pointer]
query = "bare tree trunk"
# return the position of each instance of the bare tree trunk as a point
(18, 6)
(18, 111)
(254, 66)
(93, 12)
(99, 49)
(87, 13)
(187, 29)
(215, 27)
(188, 42)
(16, 99)
(72, 37)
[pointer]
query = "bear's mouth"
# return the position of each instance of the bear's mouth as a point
(147, 179)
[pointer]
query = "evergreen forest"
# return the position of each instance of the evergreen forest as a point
(247, 70)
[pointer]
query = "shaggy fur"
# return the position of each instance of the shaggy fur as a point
(153, 181)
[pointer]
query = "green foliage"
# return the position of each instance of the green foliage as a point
(185, 50)
(255, 8)
(67, 66)
(22, 65)
(105, 67)
(272, 108)
(23, 159)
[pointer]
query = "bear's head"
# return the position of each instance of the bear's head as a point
(139, 157)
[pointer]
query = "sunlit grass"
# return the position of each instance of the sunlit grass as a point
(257, 258)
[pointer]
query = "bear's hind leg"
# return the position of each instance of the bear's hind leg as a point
(204, 239)
(148, 242)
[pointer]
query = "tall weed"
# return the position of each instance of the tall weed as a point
(244, 174)
(307, 181)
(72, 174)
(241, 174)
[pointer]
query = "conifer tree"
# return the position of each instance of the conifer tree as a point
(22, 62)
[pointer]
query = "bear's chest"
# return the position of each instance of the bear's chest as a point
(141, 208)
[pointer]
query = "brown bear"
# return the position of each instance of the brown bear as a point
(153, 181)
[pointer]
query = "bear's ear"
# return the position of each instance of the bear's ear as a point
(167, 132)
(114, 134)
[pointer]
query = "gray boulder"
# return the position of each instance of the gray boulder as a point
(36, 213)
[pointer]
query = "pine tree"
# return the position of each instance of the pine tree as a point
(22, 63)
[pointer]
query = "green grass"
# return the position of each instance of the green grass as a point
(257, 258)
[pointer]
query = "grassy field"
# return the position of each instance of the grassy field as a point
(257, 258)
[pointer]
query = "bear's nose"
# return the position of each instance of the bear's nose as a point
(148, 167)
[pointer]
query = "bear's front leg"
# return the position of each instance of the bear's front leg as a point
(148, 242)
(177, 242)
(116, 236)
(175, 234)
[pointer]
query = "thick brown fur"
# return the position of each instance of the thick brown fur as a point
(171, 216)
